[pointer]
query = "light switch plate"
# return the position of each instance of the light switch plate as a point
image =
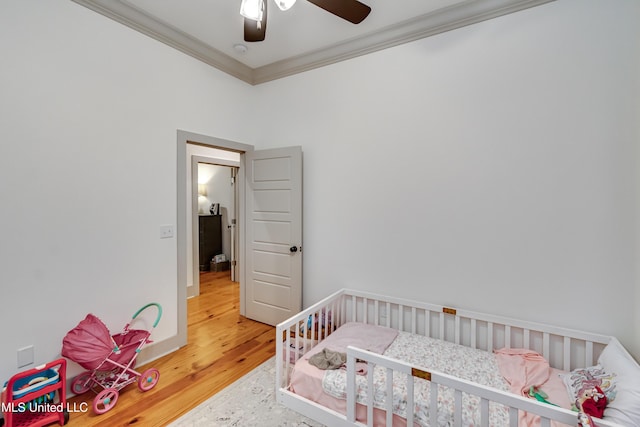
(166, 231)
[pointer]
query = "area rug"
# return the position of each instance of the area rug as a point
(248, 402)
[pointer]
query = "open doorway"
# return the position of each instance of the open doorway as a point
(215, 232)
(213, 207)
(189, 145)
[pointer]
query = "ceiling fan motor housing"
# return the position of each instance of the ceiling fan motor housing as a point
(255, 26)
(285, 4)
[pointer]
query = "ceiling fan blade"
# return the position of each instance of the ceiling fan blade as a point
(255, 31)
(351, 10)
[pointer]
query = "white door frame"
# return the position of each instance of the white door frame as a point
(184, 138)
(194, 290)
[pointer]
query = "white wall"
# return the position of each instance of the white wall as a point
(490, 167)
(89, 111)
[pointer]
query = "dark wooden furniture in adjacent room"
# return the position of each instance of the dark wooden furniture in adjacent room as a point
(210, 239)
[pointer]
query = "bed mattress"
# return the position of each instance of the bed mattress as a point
(328, 387)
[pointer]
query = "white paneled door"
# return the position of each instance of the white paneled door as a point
(273, 234)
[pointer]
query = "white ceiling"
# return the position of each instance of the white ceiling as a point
(300, 39)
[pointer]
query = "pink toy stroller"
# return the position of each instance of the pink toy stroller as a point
(109, 359)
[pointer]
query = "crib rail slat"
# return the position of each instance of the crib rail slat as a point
(351, 389)
(410, 402)
(474, 333)
(370, 396)
(433, 404)
(588, 354)
(389, 398)
(490, 345)
(388, 313)
(513, 417)
(376, 313)
(457, 413)
(484, 412)
(414, 320)
(566, 363)
(427, 323)
(545, 345)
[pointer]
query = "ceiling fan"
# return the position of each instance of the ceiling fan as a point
(255, 14)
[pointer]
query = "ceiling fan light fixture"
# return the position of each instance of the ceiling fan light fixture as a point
(285, 4)
(252, 9)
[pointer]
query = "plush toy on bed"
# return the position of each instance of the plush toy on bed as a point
(592, 402)
(585, 420)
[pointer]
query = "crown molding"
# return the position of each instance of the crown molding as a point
(439, 21)
(138, 20)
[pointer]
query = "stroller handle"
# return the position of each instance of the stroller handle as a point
(152, 304)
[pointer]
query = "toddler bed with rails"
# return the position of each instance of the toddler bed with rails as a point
(340, 360)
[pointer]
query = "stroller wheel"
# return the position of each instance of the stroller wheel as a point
(105, 400)
(148, 379)
(81, 383)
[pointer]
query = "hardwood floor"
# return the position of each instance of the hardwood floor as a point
(222, 346)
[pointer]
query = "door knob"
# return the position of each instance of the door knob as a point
(293, 249)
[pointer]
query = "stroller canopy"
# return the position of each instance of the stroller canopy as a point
(89, 343)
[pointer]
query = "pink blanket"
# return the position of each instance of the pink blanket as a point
(522, 369)
(373, 338)
(306, 380)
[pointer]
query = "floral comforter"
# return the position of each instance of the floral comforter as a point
(463, 362)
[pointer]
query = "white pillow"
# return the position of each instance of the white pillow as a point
(625, 409)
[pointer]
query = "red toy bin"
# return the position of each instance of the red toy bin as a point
(36, 397)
